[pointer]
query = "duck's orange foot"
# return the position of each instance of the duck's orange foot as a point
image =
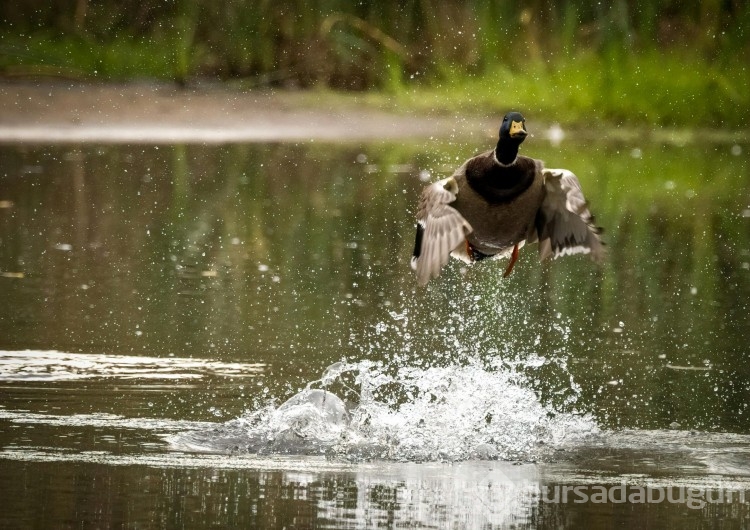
(513, 259)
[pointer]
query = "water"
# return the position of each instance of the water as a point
(444, 414)
(232, 336)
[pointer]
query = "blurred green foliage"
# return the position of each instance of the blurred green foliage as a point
(668, 62)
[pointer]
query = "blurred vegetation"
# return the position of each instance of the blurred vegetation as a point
(666, 63)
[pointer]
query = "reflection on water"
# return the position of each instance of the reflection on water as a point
(296, 255)
(101, 488)
(57, 366)
(201, 284)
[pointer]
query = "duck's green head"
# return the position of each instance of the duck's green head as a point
(513, 127)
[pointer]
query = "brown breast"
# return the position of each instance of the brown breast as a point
(500, 203)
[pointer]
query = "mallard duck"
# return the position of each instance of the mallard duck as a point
(495, 203)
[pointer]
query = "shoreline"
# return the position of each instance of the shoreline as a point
(72, 112)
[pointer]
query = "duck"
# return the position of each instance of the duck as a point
(498, 201)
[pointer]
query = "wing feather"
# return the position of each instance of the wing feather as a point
(564, 223)
(441, 229)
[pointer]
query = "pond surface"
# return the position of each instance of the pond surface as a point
(161, 303)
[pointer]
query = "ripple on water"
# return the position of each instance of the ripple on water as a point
(50, 365)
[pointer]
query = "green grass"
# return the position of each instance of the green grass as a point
(80, 57)
(664, 90)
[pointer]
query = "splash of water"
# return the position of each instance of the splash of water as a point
(411, 413)
(457, 381)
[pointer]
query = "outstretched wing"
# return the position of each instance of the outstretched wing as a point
(440, 229)
(564, 223)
